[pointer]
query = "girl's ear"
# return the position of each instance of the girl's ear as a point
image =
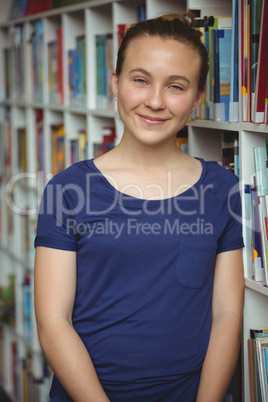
(199, 98)
(114, 84)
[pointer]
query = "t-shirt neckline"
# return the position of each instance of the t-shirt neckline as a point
(126, 196)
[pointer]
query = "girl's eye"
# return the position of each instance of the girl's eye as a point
(176, 87)
(140, 81)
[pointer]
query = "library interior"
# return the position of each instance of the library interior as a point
(57, 108)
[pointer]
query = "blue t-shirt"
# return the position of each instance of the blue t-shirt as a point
(144, 275)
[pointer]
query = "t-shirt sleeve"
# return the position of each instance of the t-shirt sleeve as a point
(55, 215)
(232, 238)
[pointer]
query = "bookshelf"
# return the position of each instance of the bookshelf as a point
(33, 108)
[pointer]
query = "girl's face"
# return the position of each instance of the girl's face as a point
(157, 88)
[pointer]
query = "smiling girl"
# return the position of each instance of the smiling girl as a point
(143, 305)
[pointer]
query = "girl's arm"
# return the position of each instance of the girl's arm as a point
(54, 287)
(225, 337)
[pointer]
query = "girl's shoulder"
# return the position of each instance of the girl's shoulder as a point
(73, 173)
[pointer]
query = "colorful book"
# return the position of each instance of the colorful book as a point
(246, 57)
(17, 9)
(36, 7)
(18, 60)
(234, 105)
(256, 27)
(60, 64)
(104, 68)
(7, 72)
(141, 12)
(247, 230)
(257, 260)
(71, 74)
(22, 149)
(262, 67)
(40, 142)
(57, 148)
(222, 73)
(260, 158)
(64, 3)
(77, 72)
(216, 23)
(37, 61)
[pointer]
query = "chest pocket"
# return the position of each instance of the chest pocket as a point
(195, 261)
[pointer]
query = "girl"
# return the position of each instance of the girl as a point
(138, 276)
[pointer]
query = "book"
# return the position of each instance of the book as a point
(36, 7)
(7, 72)
(108, 141)
(236, 158)
(55, 69)
(252, 370)
(245, 59)
(79, 147)
(22, 149)
(57, 148)
(80, 71)
(104, 69)
(17, 9)
(222, 73)
(40, 143)
(234, 105)
(257, 259)
(255, 34)
(64, 3)
(37, 61)
(257, 353)
(182, 139)
(18, 60)
(262, 364)
(52, 71)
(71, 75)
(141, 12)
(262, 67)
(27, 306)
(215, 24)
(260, 158)
(247, 230)
(255, 228)
(77, 72)
(228, 145)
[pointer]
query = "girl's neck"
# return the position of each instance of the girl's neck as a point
(148, 157)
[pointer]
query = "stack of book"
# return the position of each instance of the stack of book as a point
(77, 73)
(255, 199)
(220, 36)
(258, 364)
(22, 149)
(20, 8)
(57, 148)
(79, 147)
(104, 70)
(230, 151)
(55, 69)
(7, 72)
(108, 141)
(18, 59)
(37, 61)
(254, 60)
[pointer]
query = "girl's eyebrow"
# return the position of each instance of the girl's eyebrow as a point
(171, 77)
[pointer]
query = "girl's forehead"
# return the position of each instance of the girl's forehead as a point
(149, 44)
(156, 51)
